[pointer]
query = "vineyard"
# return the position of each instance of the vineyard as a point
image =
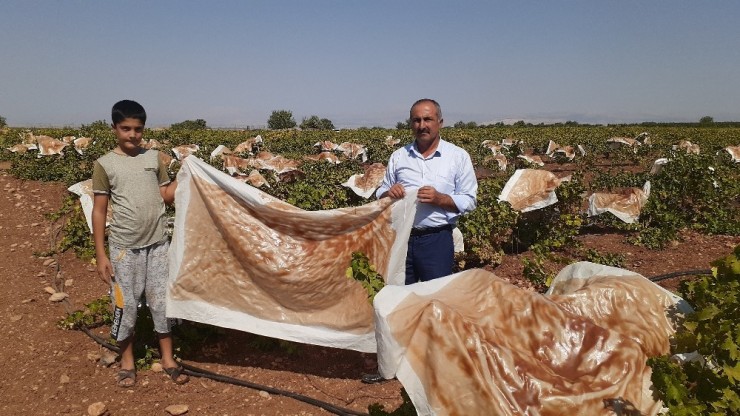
(695, 185)
(698, 189)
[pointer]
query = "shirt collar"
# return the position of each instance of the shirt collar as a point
(437, 152)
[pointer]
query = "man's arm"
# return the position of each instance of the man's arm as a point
(466, 186)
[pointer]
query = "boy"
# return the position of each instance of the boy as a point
(136, 183)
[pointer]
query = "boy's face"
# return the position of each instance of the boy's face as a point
(128, 134)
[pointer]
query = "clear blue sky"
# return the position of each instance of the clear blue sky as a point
(362, 63)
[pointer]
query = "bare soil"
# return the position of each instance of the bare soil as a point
(45, 370)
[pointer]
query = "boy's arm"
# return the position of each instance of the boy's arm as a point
(99, 216)
(168, 192)
(168, 189)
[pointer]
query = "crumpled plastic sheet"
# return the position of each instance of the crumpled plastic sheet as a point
(83, 190)
(365, 184)
(531, 189)
(625, 205)
(49, 146)
(473, 344)
(734, 152)
(242, 259)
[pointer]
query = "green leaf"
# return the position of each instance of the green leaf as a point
(362, 271)
(731, 347)
(707, 313)
(732, 371)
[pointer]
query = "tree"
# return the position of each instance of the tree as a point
(281, 119)
(198, 124)
(2, 122)
(706, 120)
(463, 125)
(314, 122)
(326, 124)
(403, 125)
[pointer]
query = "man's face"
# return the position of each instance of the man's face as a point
(128, 134)
(424, 122)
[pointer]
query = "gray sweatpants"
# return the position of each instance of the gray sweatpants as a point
(139, 271)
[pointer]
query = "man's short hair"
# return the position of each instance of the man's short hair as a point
(429, 100)
(127, 109)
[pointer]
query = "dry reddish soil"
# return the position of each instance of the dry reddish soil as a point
(45, 370)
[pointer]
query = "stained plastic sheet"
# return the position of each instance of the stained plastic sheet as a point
(49, 146)
(473, 344)
(365, 184)
(625, 205)
(243, 259)
(734, 152)
(83, 190)
(530, 189)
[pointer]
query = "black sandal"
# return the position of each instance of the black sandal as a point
(175, 372)
(372, 378)
(123, 377)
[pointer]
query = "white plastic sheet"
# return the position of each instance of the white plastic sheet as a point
(530, 189)
(473, 344)
(243, 259)
(625, 205)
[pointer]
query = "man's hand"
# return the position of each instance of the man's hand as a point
(428, 195)
(396, 191)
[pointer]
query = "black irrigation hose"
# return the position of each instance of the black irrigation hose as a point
(199, 372)
(677, 274)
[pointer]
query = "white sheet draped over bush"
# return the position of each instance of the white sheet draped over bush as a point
(243, 259)
(473, 344)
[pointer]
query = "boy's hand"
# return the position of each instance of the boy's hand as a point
(105, 269)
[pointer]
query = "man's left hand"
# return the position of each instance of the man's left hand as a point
(428, 195)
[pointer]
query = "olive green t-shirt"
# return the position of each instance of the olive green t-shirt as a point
(133, 182)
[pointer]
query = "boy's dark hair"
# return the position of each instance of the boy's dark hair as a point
(127, 109)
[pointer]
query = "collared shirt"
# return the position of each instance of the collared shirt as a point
(449, 170)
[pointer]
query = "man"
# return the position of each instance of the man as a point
(446, 187)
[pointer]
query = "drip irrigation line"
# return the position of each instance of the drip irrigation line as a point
(677, 274)
(199, 372)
